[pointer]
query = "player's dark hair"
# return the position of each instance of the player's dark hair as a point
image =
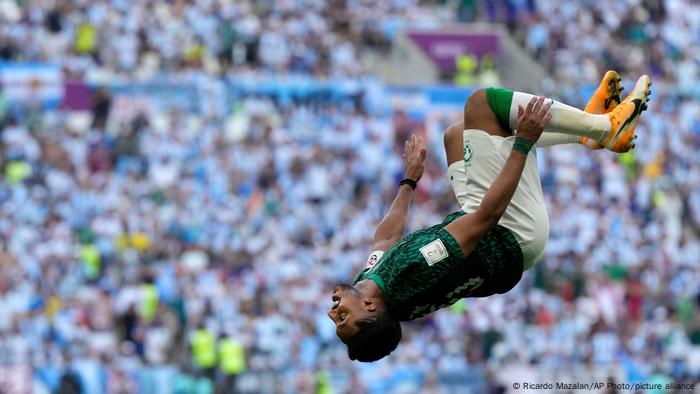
(376, 338)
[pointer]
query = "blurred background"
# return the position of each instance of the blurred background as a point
(184, 181)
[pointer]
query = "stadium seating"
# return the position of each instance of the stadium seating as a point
(137, 240)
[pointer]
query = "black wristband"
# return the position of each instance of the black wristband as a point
(409, 182)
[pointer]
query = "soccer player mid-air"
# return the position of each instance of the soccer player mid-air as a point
(502, 228)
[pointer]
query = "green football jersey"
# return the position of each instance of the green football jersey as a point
(427, 270)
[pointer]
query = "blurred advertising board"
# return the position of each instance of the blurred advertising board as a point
(421, 100)
(210, 95)
(445, 48)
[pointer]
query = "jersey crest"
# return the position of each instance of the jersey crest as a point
(468, 154)
(373, 258)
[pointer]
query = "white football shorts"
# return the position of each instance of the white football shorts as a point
(526, 215)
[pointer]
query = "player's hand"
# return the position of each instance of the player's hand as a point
(414, 155)
(531, 120)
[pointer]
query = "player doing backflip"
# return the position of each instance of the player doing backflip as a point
(502, 227)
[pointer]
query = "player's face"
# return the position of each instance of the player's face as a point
(346, 308)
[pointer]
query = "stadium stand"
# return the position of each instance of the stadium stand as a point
(178, 243)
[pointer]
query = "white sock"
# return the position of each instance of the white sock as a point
(551, 139)
(565, 119)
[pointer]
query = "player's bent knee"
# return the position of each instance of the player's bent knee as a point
(478, 114)
(477, 99)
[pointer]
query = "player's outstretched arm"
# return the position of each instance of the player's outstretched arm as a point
(469, 229)
(391, 228)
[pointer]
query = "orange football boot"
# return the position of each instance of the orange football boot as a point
(604, 100)
(625, 116)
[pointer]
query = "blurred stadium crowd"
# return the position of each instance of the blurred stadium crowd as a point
(194, 252)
